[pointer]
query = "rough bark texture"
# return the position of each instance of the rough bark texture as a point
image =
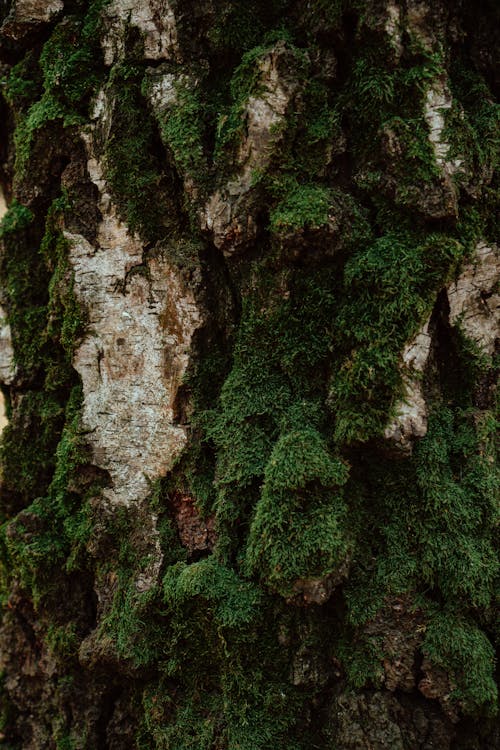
(249, 331)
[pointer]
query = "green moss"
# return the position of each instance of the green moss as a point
(283, 338)
(132, 158)
(313, 136)
(55, 528)
(28, 446)
(42, 309)
(442, 538)
(232, 600)
(304, 206)
(473, 128)
(67, 742)
(298, 528)
(181, 125)
(229, 694)
(41, 447)
(390, 288)
(195, 723)
(71, 59)
(239, 26)
(383, 108)
(132, 627)
(17, 218)
(40, 113)
(23, 84)
(69, 67)
(245, 82)
(456, 474)
(62, 640)
(362, 658)
(66, 319)
(327, 12)
(30, 439)
(378, 90)
(455, 643)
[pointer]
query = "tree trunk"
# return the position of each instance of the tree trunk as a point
(250, 322)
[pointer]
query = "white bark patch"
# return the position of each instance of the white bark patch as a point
(438, 100)
(418, 25)
(7, 366)
(474, 298)
(393, 27)
(133, 358)
(162, 92)
(264, 116)
(411, 412)
(155, 20)
(29, 13)
(136, 350)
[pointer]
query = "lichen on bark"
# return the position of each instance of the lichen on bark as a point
(249, 349)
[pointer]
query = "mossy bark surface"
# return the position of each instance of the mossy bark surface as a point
(249, 334)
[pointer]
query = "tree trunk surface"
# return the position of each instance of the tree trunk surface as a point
(249, 332)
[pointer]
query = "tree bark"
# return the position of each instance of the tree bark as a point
(250, 315)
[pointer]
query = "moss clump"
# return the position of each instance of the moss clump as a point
(459, 505)
(25, 283)
(283, 338)
(298, 528)
(234, 601)
(17, 219)
(23, 84)
(71, 59)
(66, 319)
(133, 626)
(27, 449)
(226, 695)
(473, 128)
(30, 439)
(240, 27)
(442, 540)
(362, 657)
(303, 209)
(41, 447)
(54, 528)
(313, 137)
(41, 306)
(455, 643)
(57, 86)
(439, 543)
(377, 90)
(304, 206)
(145, 196)
(389, 290)
(42, 112)
(181, 125)
(383, 108)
